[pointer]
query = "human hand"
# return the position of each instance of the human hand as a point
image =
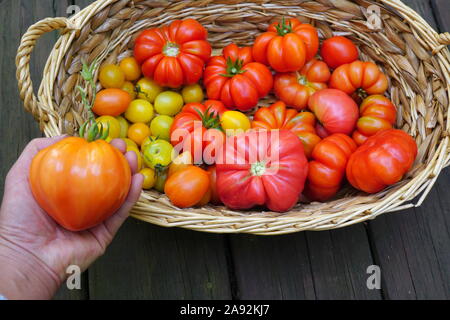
(35, 251)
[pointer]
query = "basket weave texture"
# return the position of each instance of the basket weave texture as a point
(413, 55)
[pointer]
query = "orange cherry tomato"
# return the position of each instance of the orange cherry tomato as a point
(131, 69)
(138, 132)
(111, 102)
(111, 76)
(78, 183)
(187, 187)
(294, 89)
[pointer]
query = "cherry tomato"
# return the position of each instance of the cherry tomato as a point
(111, 76)
(161, 179)
(187, 187)
(234, 122)
(138, 132)
(158, 154)
(192, 93)
(131, 69)
(169, 103)
(160, 127)
(337, 51)
(148, 89)
(130, 88)
(111, 102)
(124, 126)
(149, 178)
(147, 141)
(139, 111)
(114, 126)
(129, 142)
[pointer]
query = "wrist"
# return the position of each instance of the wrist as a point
(23, 275)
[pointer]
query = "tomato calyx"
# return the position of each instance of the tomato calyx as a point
(210, 119)
(361, 93)
(171, 49)
(234, 68)
(284, 28)
(258, 169)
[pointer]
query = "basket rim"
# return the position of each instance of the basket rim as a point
(199, 219)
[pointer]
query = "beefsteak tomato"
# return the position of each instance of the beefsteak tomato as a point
(365, 78)
(261, 168)
(235, 80)
(336, 111)
(196, 127)
(79, 183)
(327, 170)
(174, 55)
(277, 116)
(376, 113)
(295, 88)
(382, 160)
(286, 45)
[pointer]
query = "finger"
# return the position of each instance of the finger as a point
(119, 144)
(132, 160)
(115, 222)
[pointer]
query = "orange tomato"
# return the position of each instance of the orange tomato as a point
(138, 132)
(187, 187)
(130, 68)
(78, 183)
(111, 76)
(111, 102)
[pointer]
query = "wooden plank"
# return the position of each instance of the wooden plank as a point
(411, 247)
(149, 262)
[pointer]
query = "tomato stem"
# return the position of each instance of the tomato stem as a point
(258, 168)
(234, 68)
(284, 28)
(171, 49)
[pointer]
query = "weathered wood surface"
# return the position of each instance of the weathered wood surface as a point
(149, 262)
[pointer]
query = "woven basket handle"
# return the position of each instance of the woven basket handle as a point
(26, 47)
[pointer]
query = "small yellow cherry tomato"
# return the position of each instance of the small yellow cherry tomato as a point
(130, 68)
(169, 103)
(192, 93)
(148, 89)
(124, 125)
(158, 154)
(138, 155)
(114, 126)
(138, 132)
(160, 127)
(147, 141)
(149, 178)
(129, 87)
(233, 121)
(111, 76)
(139, 110)
(130, 143)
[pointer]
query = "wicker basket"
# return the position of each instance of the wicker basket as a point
(413, 55)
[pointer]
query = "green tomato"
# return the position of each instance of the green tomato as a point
(158, 153)
(161, 178)
(160, 127)
(169, 103)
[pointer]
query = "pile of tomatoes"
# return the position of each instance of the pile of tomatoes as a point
(185, 115)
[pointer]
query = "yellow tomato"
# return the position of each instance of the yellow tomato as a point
(129, 87)
(130, 143)
(130, 68)
(124, 125)
(138, 155)
(111, 76)
(192, 93)
(169, 103)
(234, 122)
(114, 126)
(138, 132)
(139, 110)
(149, 178)
(148, 89)
(160, 127)
(147, 141)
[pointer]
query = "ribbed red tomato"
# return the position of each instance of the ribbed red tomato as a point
(382, 160)
(327, 170)
(295, 88)
(174, 55)
(235, 80)
(262, 168)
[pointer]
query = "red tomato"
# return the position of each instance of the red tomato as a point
(262, 168)
(364, 77)
(377, 113)
(197, 127)
(327, 170)
(239, 84)
(174, 55)
(278, 117)
(335, 110)
(215, 198)
(78, 183)
(286, 46)
(295, 88)
(338, 50)
(111, 102)
(381, 161)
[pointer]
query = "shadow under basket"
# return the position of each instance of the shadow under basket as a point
(413, 55)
